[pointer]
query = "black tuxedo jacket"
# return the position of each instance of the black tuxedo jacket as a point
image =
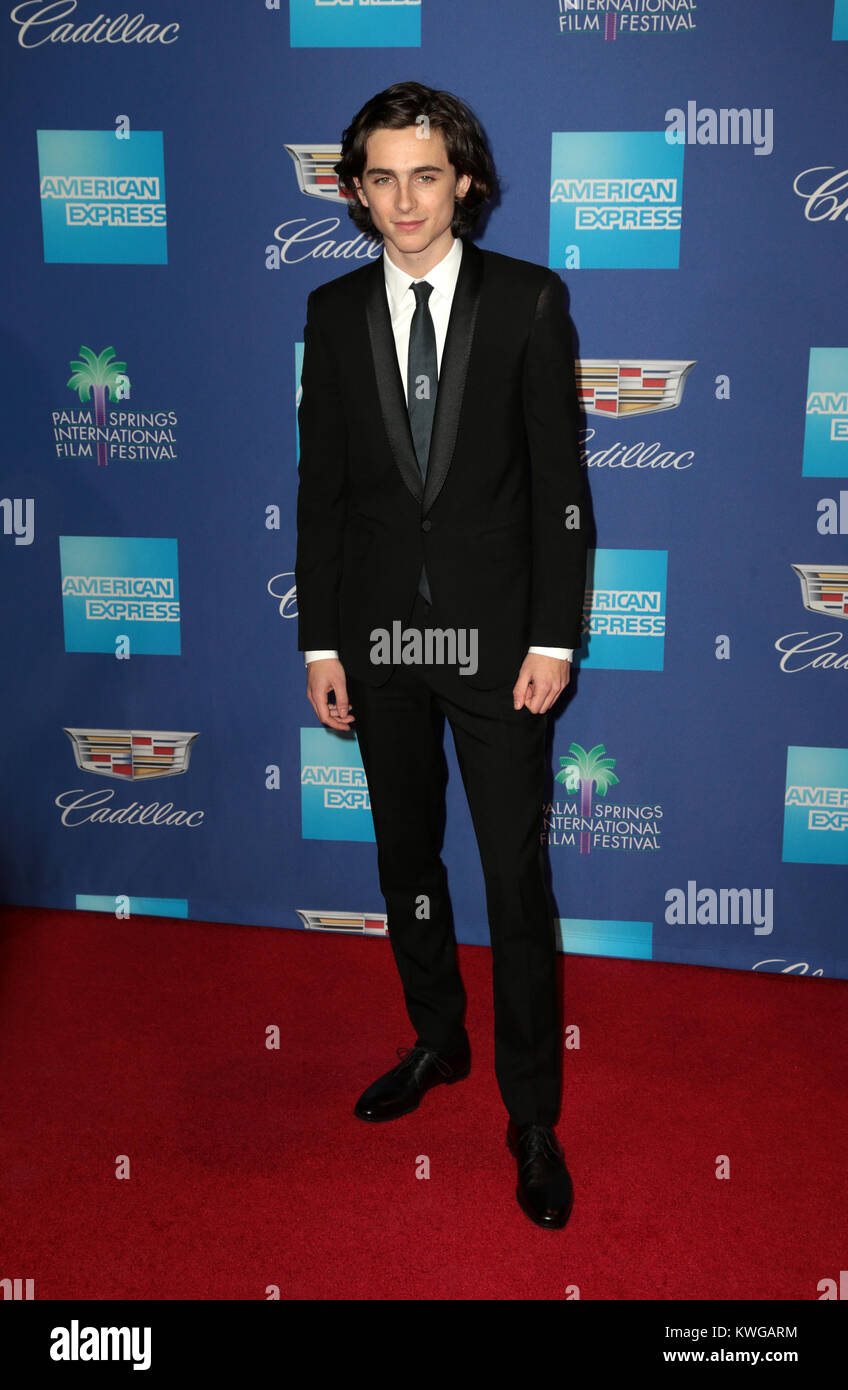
(495, 523)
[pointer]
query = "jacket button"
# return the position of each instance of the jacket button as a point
(425, 525)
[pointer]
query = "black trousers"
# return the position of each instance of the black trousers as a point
(501, 755)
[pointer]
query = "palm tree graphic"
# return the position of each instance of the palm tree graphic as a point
(97, 374)
(589, 770)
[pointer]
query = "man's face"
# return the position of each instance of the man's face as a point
(409, 187)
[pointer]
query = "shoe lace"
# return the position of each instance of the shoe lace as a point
(539, 1139)
(410, 1055)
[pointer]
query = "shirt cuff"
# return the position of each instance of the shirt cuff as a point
(561, 653)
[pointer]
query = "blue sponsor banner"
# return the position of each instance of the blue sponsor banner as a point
(815, 817)
(624, 611)
(690, 251)
(615, 200)
(120, 587)
(125, 905)
(584, 936)
(826, 431)
(334, 801)
(355, 24)
(103, 198)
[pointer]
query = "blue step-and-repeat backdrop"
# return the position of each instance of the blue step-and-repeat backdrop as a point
(170, 202)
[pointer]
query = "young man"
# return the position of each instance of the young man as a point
(440, 572)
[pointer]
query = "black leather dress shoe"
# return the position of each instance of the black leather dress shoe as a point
(545, 1192)
(400, 1090)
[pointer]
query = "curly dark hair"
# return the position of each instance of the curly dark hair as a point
(403, 105)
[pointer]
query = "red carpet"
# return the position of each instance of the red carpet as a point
(147, 1039)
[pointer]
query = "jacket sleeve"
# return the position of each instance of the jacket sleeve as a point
(322, 491)
(559, 513)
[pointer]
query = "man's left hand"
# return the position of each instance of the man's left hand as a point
(541, 681)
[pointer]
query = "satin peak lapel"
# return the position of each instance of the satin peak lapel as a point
(454, 368)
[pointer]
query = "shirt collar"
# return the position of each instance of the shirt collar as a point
(442, 277)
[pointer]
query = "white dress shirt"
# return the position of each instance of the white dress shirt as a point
(443, 278)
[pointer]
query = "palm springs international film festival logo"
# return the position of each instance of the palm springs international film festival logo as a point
(590, 823)
(103, 197)
(298, 239)
(826, 425)
(624, 388)
(120, 594)
(616, 200)
(815, 816)
(107, 435)
(624, 618)
(824, 590)
(355, 23)
(608, 19)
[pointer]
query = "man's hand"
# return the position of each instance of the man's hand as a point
(541, 681)
(323, 677)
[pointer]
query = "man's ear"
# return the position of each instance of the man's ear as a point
(361, 196)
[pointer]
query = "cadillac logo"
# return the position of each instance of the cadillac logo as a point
(624, 386)
(824, 589)
(363, 923)
(315, 173)
(131, 755)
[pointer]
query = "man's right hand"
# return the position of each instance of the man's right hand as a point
(322, 677)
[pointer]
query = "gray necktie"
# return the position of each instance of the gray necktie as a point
(422, 376)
